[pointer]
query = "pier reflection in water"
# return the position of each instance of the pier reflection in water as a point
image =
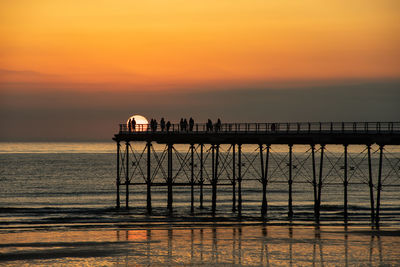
(261, 245)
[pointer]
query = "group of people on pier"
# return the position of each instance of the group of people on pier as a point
(184, 125)
(131, 124)
(213, 127)
(165, 126)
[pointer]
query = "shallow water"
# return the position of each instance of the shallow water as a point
(255, 245)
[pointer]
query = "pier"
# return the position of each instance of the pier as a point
(215, 158)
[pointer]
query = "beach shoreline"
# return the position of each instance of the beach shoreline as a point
(212, 244)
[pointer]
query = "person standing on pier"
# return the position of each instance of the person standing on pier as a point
(155, 125)
(191, 124)
(185, 125)
(218, 125)
(162, 124)
(181, 125)
(133, 122)
(209, 126)
(129, 125)
(168, 125)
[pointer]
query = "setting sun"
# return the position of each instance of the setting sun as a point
(141, 123)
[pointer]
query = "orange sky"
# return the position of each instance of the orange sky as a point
(157, 44)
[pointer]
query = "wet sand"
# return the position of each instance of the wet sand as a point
(251, 245)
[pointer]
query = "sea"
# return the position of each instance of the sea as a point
(66, 192)
(70, 183)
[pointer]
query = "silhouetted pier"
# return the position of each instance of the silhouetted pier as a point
(203, 142)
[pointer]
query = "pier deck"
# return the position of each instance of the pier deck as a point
(386, 133)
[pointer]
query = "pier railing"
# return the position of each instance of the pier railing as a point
(276, 127)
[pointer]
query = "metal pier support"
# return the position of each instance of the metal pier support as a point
(148, 180)
(371, 185)
(201, 175)
(264, 205)
(192, 178)
(262, 176)
(345, 183)
(233, 178)
(314, 180)
(240, 178)
(378, 195)
(212, 178)
(127, 176)
(169, 178)
(118, 204)
(216, 172)
(320, 181)
(290, 182)
(215, 156)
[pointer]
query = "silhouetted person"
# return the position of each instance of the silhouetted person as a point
(209, 125)
(191, 124)
(218, 127)
(162, 124)
(133, 124)
(273, 127)
(168, 125)
(155, 125)
(185, 124)
(181, 124)
(129, 125)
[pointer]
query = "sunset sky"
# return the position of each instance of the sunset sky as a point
(63, 58)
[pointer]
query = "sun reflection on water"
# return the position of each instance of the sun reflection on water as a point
(205, 245)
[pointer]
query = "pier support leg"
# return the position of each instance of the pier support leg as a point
(240, 178)
(148, 180)
(127, 176)
(201, 176)
(192, 178)
(262, 176)
(345, 183)
(261, 148)
(216, 172)
(321, 165)
(233, 178)
(314, 180)
(169, 178)
(118, 204)
(290, 182)
(215, 155)
(264, 205)
(378, 195)
(371, 185)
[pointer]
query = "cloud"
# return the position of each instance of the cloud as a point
(22, 73)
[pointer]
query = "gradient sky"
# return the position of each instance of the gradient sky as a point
(153, 49)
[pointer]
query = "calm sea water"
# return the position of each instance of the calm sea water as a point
(50, 185)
